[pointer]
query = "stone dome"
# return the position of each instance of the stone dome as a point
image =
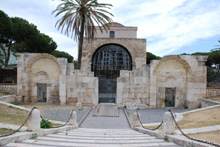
(115, 24)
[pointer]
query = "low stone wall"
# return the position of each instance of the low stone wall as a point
(212, 91)
(8, 98)
(8, 88)
(207, 103)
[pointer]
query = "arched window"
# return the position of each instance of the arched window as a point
(107, 62)
(111, 57)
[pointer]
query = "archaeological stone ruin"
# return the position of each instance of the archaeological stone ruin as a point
(114, 70)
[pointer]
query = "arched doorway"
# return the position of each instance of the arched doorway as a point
(107, 62)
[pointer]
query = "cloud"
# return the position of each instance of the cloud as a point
(171, 24)
(168, 25)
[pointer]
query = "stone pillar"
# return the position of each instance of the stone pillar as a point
(168, 124)
(73, 119)
(135, 120)
(34, 121)
(62, 89)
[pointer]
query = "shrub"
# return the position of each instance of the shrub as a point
(44, 123)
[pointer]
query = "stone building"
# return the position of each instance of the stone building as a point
(114, 70)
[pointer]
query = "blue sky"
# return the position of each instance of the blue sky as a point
(170, 26)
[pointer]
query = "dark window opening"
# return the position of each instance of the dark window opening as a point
(107, 63)
(170, 95)
(112, 34)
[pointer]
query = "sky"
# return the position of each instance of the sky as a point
(170, 26)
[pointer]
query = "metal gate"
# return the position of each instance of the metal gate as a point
(41, 92)
(170, 95)
(107, 63)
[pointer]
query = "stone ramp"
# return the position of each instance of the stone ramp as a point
(106, 110)
(96, 138)
(119, 122)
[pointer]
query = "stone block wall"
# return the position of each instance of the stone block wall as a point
(133, 88)
(8, 88)
(197, 78)
(187, 74)
(136, 48)
(120, 32)
(212, 91)
(31, 70)
(82, 88)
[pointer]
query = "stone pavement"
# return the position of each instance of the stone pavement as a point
(155, 115)
(106, 122)
(97, 138)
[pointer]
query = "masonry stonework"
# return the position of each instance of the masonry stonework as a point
(143, 86)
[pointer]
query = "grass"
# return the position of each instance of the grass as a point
(5, 131)
(10, 115)
(199, 119)
(208, 136)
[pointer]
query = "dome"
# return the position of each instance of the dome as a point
(115, 24)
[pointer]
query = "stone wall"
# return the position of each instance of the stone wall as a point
(133, 88)
(8, 98)
(120, 32)
(82, 88)
(31, 70)
(8, 88)
(187, 74)
(142, 87)
(208, 103)
(136, 48)
(213, 91)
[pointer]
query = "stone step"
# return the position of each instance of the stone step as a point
(96, 138)
(103, 137)
(103, 133)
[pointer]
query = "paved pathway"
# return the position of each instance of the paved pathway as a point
(95, 138)
(155, 115)
(106, 122)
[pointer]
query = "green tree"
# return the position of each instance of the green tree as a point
(18, 35)
(13, 31)
(151, 56)
(215, 58)
(211, 74)
(57, 53)
(79, 18)
(5, 31)
(38, 43)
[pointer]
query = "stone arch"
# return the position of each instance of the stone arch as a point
(170, 79)
(185, 64)
(34, 59)
(100, 47)
(42, 75)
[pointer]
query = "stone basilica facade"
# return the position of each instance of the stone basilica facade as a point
(114, 70)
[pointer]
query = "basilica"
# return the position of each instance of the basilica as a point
(113, 70)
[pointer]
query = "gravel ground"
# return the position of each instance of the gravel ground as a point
(58, 112)
(62, 114)
(154, 115)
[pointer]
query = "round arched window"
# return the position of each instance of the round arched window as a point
(108, 60)
(111, 57)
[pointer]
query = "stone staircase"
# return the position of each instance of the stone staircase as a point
(106, 110)
(96, 137)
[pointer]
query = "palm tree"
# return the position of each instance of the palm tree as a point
(79, 18)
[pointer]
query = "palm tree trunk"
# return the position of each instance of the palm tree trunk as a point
(81, 42)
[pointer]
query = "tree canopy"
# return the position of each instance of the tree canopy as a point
(79, 18)
(57, 53)
(151, 56)
(19, 35)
